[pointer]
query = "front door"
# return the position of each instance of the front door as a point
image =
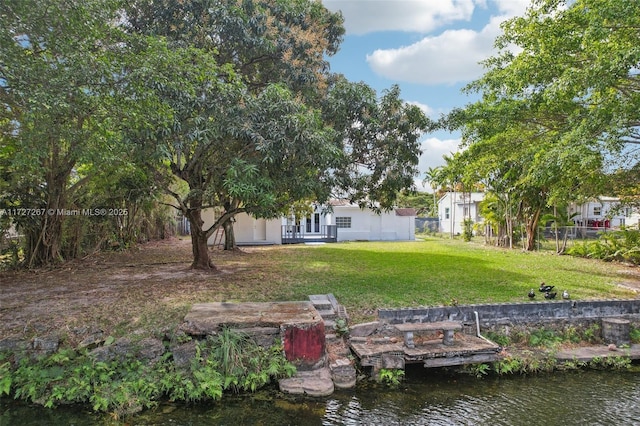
(313, 224)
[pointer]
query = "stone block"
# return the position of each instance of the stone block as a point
(616, 331)
(183, 354)
(312, 383)
(364, 329)
(46, 345)
(392, 361)
(343, 374)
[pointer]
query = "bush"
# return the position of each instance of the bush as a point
(622, 246)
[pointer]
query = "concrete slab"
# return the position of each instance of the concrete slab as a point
(209, 317)
(465, 349)
(586, 354)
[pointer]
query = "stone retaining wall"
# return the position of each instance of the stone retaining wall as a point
(517, 313)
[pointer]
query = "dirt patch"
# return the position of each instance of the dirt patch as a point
(148, 288)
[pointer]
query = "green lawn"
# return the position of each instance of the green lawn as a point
(365, 276)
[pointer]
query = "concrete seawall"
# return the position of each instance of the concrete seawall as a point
(517, 313)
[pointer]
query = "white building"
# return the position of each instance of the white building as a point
(347, 222)
(600, 213)
(603, 212)
(454, 207)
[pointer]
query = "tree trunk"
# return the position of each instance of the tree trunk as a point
(44, 238)
(199, 245)
(531, 228)
(229, 236)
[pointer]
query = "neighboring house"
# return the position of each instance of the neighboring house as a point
(347, 222)
(454, 207)
(597, 214)
(603, 212)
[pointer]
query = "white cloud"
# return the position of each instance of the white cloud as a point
(426, 109)
(366, 16)
(512, 7)
(448, 58)
(433, 149)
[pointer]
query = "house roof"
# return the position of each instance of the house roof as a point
(398, 211)
(406, 212)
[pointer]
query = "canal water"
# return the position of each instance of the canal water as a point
(571, 398)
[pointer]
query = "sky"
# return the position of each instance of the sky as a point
(430, 48)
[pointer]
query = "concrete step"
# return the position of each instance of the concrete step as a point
(327, 314)
(329, 325)
(321, 302)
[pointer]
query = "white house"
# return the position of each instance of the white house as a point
(347, 222)
(597, 214)
(454, 207)
(603, 212)
(354, 223)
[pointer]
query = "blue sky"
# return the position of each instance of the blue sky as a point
(430, 48)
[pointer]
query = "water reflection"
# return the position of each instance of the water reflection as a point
(575, 398)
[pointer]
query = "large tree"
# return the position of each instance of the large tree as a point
(242, 137)
(378, 139)
(270, 126)
(60, 63)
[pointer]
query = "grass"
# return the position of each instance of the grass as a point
(365, 276)
(150, 287)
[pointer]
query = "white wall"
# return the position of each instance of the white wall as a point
(247, 230)
(365, 225)
(368, 226)
(589, 212)
(455, 203)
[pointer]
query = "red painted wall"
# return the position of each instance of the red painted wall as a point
(304, 345)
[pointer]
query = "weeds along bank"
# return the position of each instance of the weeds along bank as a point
(125, 376)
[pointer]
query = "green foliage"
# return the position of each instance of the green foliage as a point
(592, 333)
(391, 377)
(227, 362)
(341, 327)
(635, 334)
(422, 202)
(5, 376)
(611, 363)
(621, 245)
(467, 230)
(498, 338)
(477, 370)
(545, 338)
(571, 334)
(527, 362)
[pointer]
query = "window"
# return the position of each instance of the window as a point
(597, 210)
(466, 213)
(446, 212)
(343, 222)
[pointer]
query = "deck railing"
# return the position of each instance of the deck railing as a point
(294, 234)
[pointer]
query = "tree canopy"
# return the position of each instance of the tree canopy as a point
(218, 103)
(559, 105)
